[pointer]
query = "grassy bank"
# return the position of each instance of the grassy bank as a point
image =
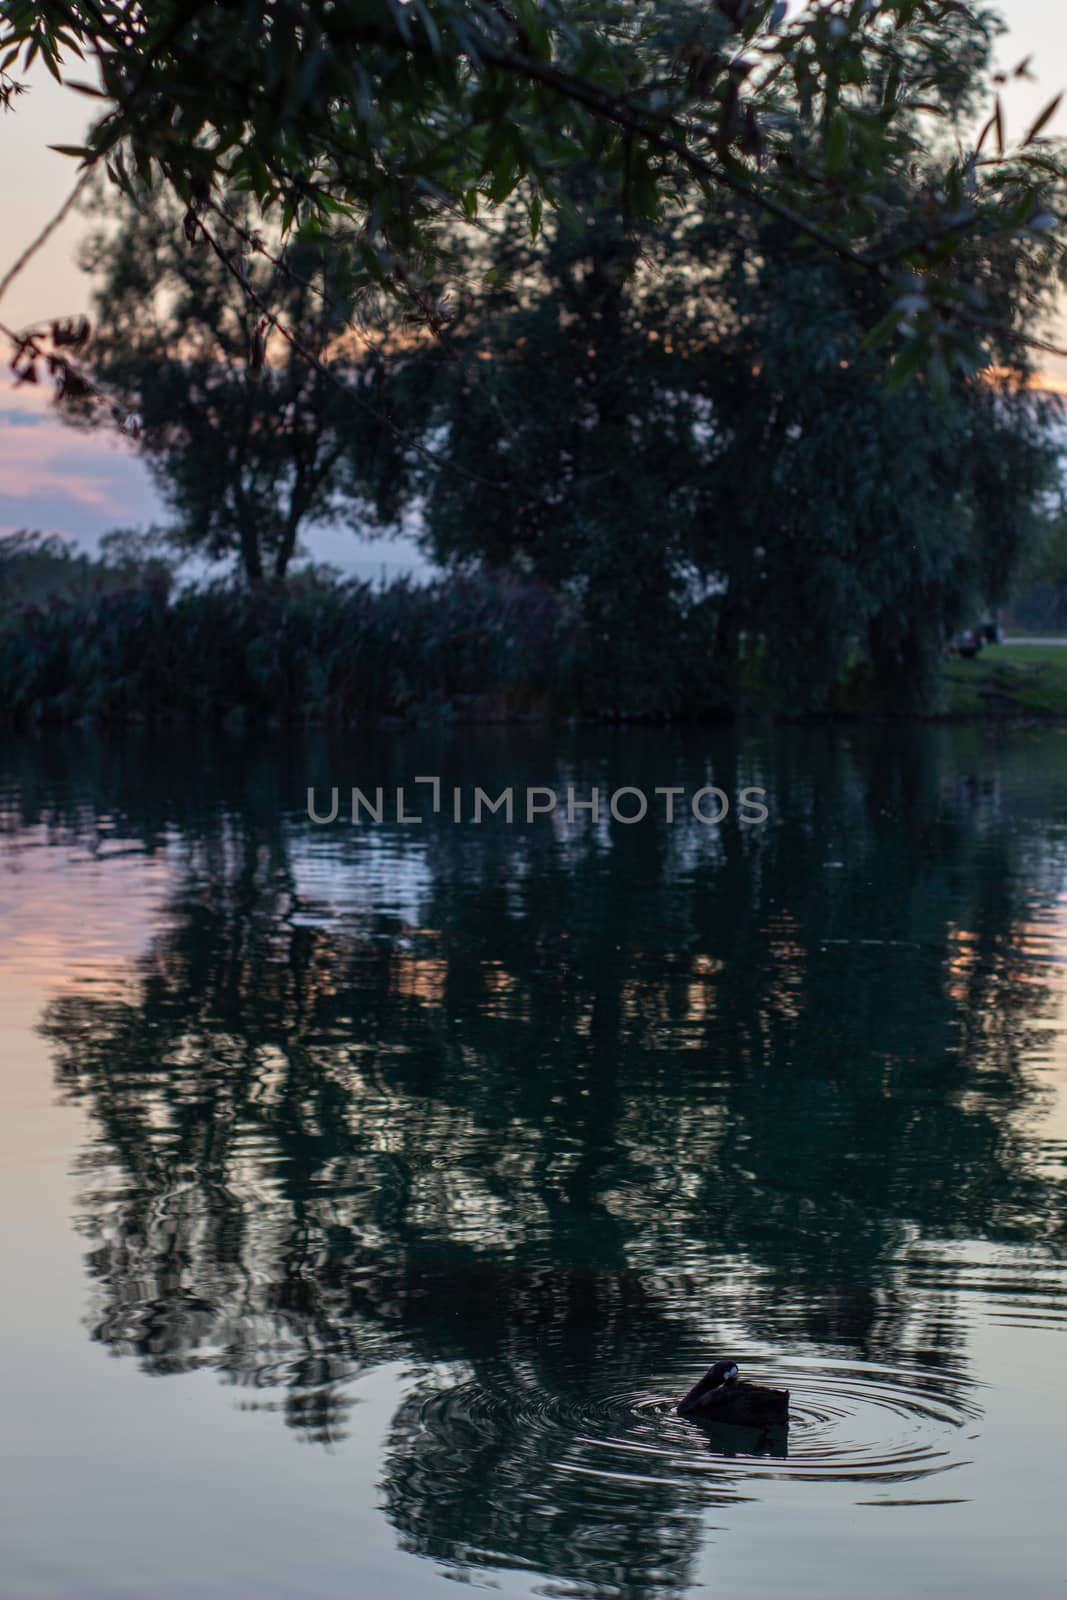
(1023, 680)
(95, 642)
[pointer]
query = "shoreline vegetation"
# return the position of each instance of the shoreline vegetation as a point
(115, 642)
(709, 378)
(317, 650)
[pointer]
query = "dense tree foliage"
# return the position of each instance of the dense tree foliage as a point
(698, 446)
(681, 249)
(839, 119)
(684, 431)
(247, 440)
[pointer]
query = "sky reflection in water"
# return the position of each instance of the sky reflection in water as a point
(499, 1135)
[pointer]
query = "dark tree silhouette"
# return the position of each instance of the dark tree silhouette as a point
(247, 441)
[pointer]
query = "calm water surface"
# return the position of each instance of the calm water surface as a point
(370, 1194)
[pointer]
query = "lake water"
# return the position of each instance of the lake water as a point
(370, 1193)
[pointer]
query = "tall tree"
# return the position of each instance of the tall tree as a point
(700, 447)
(856, 524)
(247, 441)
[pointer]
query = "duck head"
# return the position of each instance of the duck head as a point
(723, 1372)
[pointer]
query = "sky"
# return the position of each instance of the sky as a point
(52, 477)
(58, 480)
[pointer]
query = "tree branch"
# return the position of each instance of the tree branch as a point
(331, 377)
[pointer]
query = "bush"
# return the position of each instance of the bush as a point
(471, 645)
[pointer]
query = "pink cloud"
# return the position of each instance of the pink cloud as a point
(56, 477)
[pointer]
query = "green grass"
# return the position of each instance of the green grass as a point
(1008, 680)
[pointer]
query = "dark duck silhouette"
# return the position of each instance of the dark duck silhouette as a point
(721, 1396)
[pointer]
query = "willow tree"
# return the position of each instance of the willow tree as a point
(248, 442)
(841, 121)
(845, 143)
(700, 447)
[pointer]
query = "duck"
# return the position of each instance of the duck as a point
(721, 1396)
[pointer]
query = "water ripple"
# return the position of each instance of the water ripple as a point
(850, 1422)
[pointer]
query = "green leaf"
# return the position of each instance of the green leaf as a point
(504, 179)
(907, 364)
(881, 330)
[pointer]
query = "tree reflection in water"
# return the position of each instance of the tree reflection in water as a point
(595, 1103)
